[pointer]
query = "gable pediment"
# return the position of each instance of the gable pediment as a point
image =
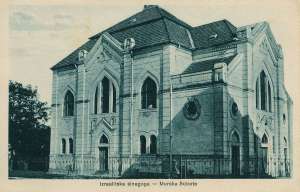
(106, 49)
(100, 124)
(266, 43)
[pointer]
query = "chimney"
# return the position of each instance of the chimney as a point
(149, 6)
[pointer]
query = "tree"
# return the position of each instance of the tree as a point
(29, 134)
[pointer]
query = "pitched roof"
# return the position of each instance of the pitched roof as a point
(203, 35)
(153, 26)
(72, 58)
(206, 65)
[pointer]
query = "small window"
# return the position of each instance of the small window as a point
(213, 36)
(143, 144)
(264, 139)
(234, 109)
(283, 118)
(63, 146)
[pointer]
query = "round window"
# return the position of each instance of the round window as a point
(192, 109)
(234, 109)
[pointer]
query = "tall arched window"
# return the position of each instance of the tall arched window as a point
(108, 96)
(70, 145)
(149, 94)
(63, 146)
(114, 98)
(69, 104)
(96, 101)
(269, 98)
(143, 144)
(153, 144)
(263, 93)
(257, 94)
(105, 95)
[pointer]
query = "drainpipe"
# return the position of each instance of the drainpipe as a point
(75, 118)
(131, 104)
(171, 127)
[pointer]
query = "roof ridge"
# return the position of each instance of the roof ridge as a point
(206, 24)
(126, 19)
(164, 13)
(229, 25)
(163, 19)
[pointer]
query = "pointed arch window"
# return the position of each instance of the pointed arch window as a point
(149, 94)
(263, 93)
(143, 144)
(264, 139)
(96, 100)
(105, 95)
(269, 98)
(235, 138)
(70, 145)
(257, 94)
(63, 146)
(69, 104)
(103, 140)
(114, 98)
(263, 90)
(108, 96)
(153, 144)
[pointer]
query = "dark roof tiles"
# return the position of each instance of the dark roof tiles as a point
(203, 35)
(153, 26)
(206, 65)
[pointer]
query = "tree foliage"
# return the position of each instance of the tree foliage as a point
(29, 134)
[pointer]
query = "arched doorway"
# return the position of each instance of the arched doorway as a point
(264, 155)
(103, 154)
(235, 154)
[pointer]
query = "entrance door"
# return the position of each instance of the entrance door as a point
(103, 159)
(264, 160)
(235, 163)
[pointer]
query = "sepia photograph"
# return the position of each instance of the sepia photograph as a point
(170, 92)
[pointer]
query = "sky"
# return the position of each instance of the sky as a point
(40, 35)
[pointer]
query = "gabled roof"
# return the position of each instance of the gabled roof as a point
(155, 26)
(206, 65)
